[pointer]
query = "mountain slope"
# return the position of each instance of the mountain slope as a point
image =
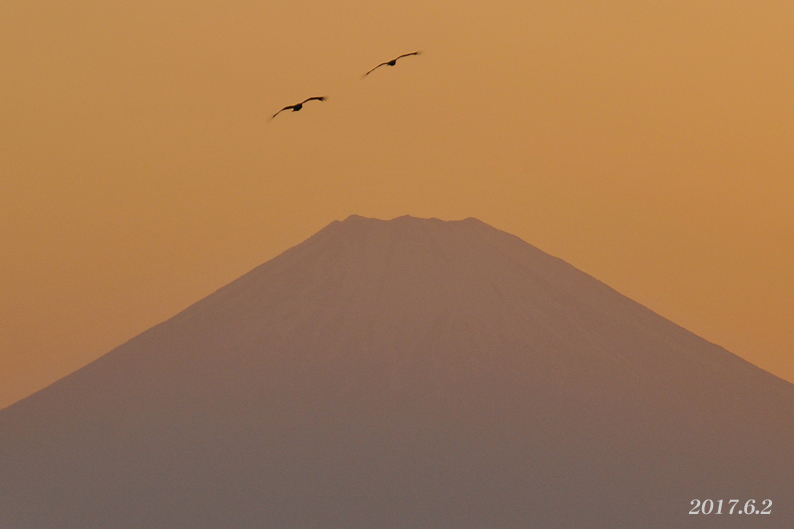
(404, 373)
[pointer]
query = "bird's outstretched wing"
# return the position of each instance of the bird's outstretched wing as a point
(318, 98)
(375, 68)
(409, 54)
(282, 110)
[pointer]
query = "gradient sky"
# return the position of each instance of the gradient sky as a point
(650, 144)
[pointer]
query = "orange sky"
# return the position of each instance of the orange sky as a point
(650, 144)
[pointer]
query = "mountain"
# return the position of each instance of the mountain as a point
(403, 374)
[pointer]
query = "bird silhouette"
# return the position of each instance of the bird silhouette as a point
(299, 106)
(391, 62)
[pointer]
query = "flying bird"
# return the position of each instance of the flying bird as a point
(299, 106)
(391, 62)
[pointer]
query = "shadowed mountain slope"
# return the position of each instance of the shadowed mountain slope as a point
(403, 374)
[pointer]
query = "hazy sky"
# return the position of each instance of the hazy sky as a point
(650, 144)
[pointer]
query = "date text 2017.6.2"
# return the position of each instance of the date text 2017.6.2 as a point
(711, 507)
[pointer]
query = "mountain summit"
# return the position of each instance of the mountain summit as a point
(403, 374)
